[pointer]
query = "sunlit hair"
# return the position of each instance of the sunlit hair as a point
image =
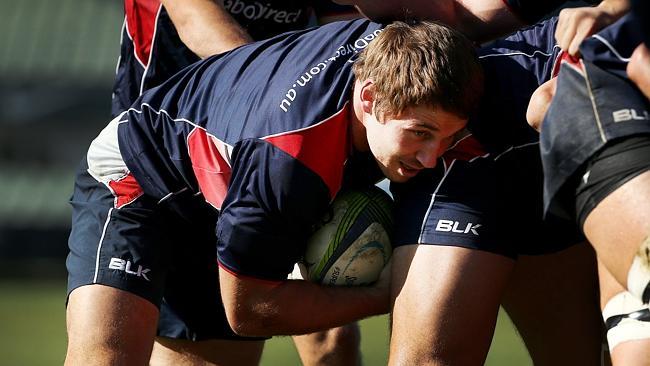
(421, 63)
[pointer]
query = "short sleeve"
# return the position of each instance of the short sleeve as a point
(272, 205)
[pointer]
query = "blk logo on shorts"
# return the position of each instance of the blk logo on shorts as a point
(456, 227)
(127, 266)
(623, 115)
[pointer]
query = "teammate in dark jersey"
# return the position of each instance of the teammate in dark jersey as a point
(509, 199)
(471, 232)
(254, 144)
(507, 196)
(160, 37)
(600, 176)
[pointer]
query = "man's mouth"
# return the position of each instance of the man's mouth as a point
(410, 169)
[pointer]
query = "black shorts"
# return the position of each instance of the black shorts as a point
(618, 162)
(491, 203)
(142, 247)
(594, 104)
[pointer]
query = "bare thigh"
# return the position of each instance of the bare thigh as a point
(619, 224)
(180, 352)
(107, 326)
(553, 301)
(445, 304)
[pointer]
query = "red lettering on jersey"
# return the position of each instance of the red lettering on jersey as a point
(323, 148)
(210, 166)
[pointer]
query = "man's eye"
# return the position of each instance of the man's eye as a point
(419, 133)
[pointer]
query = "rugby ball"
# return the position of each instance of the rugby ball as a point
(352, 244)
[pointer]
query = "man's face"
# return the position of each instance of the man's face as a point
(405, 144)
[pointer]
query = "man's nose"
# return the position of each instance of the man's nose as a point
(428, 156)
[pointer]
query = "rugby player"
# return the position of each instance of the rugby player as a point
(201, 195)
(160, 37)
(470, 235)
(599, 178)
(476, 278)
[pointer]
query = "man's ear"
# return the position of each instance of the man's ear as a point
(367, 96)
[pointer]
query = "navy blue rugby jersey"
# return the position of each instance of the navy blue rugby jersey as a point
(151, 50)
(513, 69)
(261, 132)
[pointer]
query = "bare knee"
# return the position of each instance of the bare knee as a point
(445, 353)
(337, 346)
(553, 301)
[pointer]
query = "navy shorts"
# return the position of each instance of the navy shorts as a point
(594, 104)
(489, 202)
(145, 248)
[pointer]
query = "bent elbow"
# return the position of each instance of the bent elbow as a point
(246, 322)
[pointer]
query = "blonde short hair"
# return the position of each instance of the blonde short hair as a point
(421, 63)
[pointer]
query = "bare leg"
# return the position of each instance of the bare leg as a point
(167, 351)
(632, 353)
(335, 347)
(553, 301)
(619, 225)
(445, 304)
(107, 326)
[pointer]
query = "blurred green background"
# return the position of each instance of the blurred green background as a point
(56, 73)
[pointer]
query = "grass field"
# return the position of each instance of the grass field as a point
(32, 331)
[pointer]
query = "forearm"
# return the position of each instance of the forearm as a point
(257, 308)
(205, 26)
(485, 20)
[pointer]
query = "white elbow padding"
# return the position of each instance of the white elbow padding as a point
(638, 278)
(627, 318)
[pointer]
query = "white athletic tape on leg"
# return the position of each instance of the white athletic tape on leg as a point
(638, 277)
(629, 328)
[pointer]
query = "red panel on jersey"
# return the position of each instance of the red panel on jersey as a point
(466, 149)
(126, 190)
(210, 167)
(142, 29)
(323, 148)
